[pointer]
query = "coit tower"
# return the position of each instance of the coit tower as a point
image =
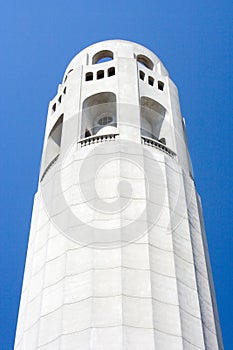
(117, 255)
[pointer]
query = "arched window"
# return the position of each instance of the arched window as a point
(54, 141)
(145, 61)
(102, 56)
(99, 114)
(152, 116)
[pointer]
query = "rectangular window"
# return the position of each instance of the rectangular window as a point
(160, 85)
(100, 74)
(151, 81)
(141, 75)
(111, 71)
(89, 76)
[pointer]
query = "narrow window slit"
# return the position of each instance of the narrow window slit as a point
(142, 75)
(151, 81)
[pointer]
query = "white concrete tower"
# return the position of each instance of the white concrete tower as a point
(117, 255)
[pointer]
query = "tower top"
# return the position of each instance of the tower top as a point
(112, 49)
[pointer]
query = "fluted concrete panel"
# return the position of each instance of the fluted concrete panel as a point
(138, 338)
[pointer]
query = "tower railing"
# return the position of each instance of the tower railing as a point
(111, 137)
(156, 144)
(97, 139)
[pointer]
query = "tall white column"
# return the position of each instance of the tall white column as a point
(117, 254)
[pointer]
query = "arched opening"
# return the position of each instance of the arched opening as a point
(54, 141)
(99, 115)
(145, 61)
(54, 107)
(152, 116)
(102, 56)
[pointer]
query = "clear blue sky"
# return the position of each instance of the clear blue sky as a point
(39, 38)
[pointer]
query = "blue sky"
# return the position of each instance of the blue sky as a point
(39, 38)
